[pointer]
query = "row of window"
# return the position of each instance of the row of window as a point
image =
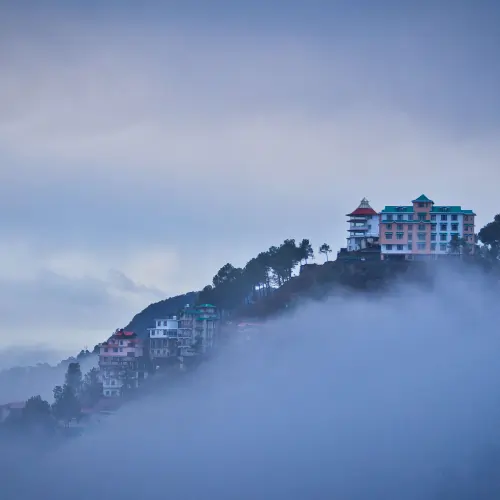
(443, 247)
(424, 216)
(421, 227)
(422, 236)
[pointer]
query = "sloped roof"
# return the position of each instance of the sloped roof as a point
(422, 199)
(364, 208)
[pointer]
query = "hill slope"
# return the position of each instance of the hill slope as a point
(146, 318)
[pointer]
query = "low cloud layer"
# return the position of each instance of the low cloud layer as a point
(391, 397)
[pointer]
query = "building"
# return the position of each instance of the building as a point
(121, 363)
(11, 410)
(363, 227)
(424, 230)
(163, 338)
(197, 329)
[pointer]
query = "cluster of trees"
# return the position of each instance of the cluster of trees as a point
(232, 286)
(488, 236)
(77, 392)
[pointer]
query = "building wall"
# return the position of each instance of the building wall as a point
(405, 235)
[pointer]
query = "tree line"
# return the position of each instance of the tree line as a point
(77, 392)
(233, 286)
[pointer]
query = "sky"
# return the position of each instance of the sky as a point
(145, 144)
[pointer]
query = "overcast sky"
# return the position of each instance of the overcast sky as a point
(143, 146)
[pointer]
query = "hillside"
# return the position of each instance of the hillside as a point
(162, 309)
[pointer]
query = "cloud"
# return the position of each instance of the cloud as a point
(352, 398)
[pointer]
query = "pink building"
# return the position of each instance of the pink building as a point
(121, 362)
(424, 230)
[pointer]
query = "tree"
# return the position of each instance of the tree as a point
(305, 250)
(91, 388)
(489, 235)
(66, 406)
(74, 377)
(325, 249)
(36, 408)
(457, 245)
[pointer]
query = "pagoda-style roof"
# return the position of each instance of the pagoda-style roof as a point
(422, 199)
(364, 208)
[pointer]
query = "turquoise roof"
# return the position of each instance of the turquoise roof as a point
(457, 209)
(422, 199)
(205, 305)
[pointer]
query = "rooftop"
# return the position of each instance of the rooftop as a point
(422, 199)
(364, 208)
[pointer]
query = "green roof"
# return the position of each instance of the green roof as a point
(396, 208)
(422, 199)
(205, 305)
(457, 209)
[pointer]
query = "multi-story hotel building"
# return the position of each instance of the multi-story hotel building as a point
(121, 363)
(423, 229)
(363, 227)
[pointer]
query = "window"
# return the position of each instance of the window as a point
(421, 205)
(433, 247)
(433, 237)
(433, 217)
(466, 217)
(106, 349)
(421, 246)
(433, 227)
(121, 342)
(389, 217)
(388, 236)
(399, 247)
(115, 349)
(399, 236)
(421, 236)
(454, 227)
(400, 216)
(442, 247)
(421, 227)
(410, 236)
(422, 216)
(442, 237)
(388, 226)
(400, 227)
(121, 349)
(410, 246)
(443, 227)
(444, 217)
(410, 227)
(388, 247)
(454, 217)
(410, 216)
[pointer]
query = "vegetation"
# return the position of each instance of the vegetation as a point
(234, 286)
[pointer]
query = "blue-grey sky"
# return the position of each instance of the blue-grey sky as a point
(145, 144)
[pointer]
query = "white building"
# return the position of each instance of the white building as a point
(164, 338)
(363, 227)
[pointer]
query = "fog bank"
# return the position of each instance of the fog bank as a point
(389, 398)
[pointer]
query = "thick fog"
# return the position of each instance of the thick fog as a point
(31, 372)
(391, 398)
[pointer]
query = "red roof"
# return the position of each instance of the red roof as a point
(363, 211)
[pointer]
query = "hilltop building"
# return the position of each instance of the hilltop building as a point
(363, 227)
(121, 363)
(424, 230)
